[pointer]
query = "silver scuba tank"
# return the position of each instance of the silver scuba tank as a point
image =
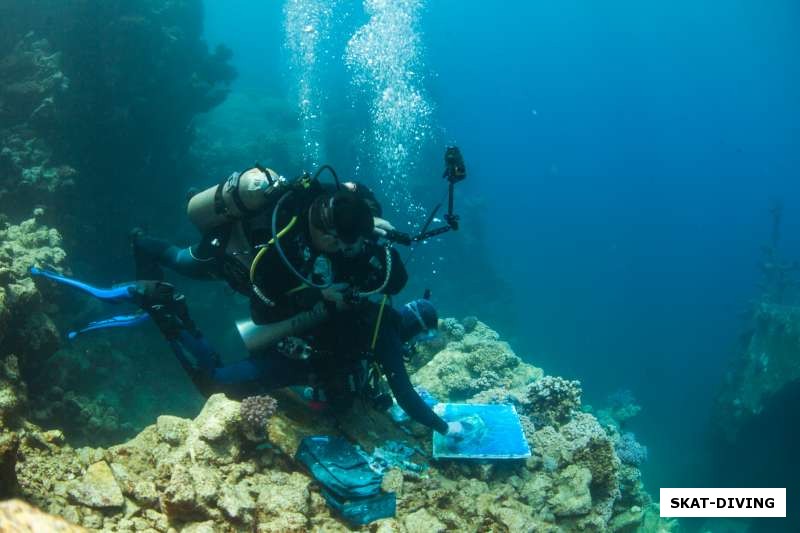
(258, 337)
(239, 195)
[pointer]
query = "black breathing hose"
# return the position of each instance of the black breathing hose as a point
(333, 173)
(277, 243)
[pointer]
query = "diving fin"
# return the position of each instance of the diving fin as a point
(119, 321)
(118, 293)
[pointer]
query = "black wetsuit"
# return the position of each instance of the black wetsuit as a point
(341, 344)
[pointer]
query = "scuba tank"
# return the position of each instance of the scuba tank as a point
(239, 195)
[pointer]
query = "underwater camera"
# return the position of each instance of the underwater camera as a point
(454, 170)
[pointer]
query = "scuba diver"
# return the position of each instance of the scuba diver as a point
(309, 257)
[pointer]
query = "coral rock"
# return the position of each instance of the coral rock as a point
(19, 517)
(479, 361)
(572, 496)
(237, 503)
(553, 400)
(628, 520)
(423, 521)
(393, 482)
(179, 498)
(286, 493)
(172, 429)
(219, 417)
(200, 527)
(98, 488)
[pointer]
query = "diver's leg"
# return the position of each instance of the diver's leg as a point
(150, 254)
(248, 377)
(262, 373)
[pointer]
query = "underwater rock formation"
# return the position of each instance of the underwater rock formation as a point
(32, 86)
(84, 87)
(767, 367)
(630, 451)
(471, 363)
(83, 419)
(207, 475)
(19, 517)
(27, 335)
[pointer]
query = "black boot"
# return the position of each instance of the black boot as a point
(147, 255)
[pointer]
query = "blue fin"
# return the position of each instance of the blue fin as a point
(118, 293)
(119, 321)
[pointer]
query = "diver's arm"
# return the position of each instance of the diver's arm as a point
(410, 401)
(391, 359)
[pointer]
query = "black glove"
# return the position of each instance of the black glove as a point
(166, 307)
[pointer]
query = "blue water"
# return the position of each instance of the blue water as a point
(625, 155)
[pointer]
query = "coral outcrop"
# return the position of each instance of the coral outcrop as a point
(27, 335)
(83, 88)
(473, 362)
(553, 400)
(32, 86)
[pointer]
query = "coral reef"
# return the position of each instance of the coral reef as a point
(207, 475)
(256, 412)
(630, 451)
(27, 335)
(83, 419)
(30, 93)
(553, 400)
(83, 86)
(181, 474)
(471, 363)
(85, 388)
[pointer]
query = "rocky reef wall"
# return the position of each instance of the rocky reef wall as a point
(27, 334)
(97, 107)
(97, 100)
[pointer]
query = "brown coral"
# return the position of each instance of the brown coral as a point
(553, 400)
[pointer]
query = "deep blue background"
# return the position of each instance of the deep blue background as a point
(628, 153)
